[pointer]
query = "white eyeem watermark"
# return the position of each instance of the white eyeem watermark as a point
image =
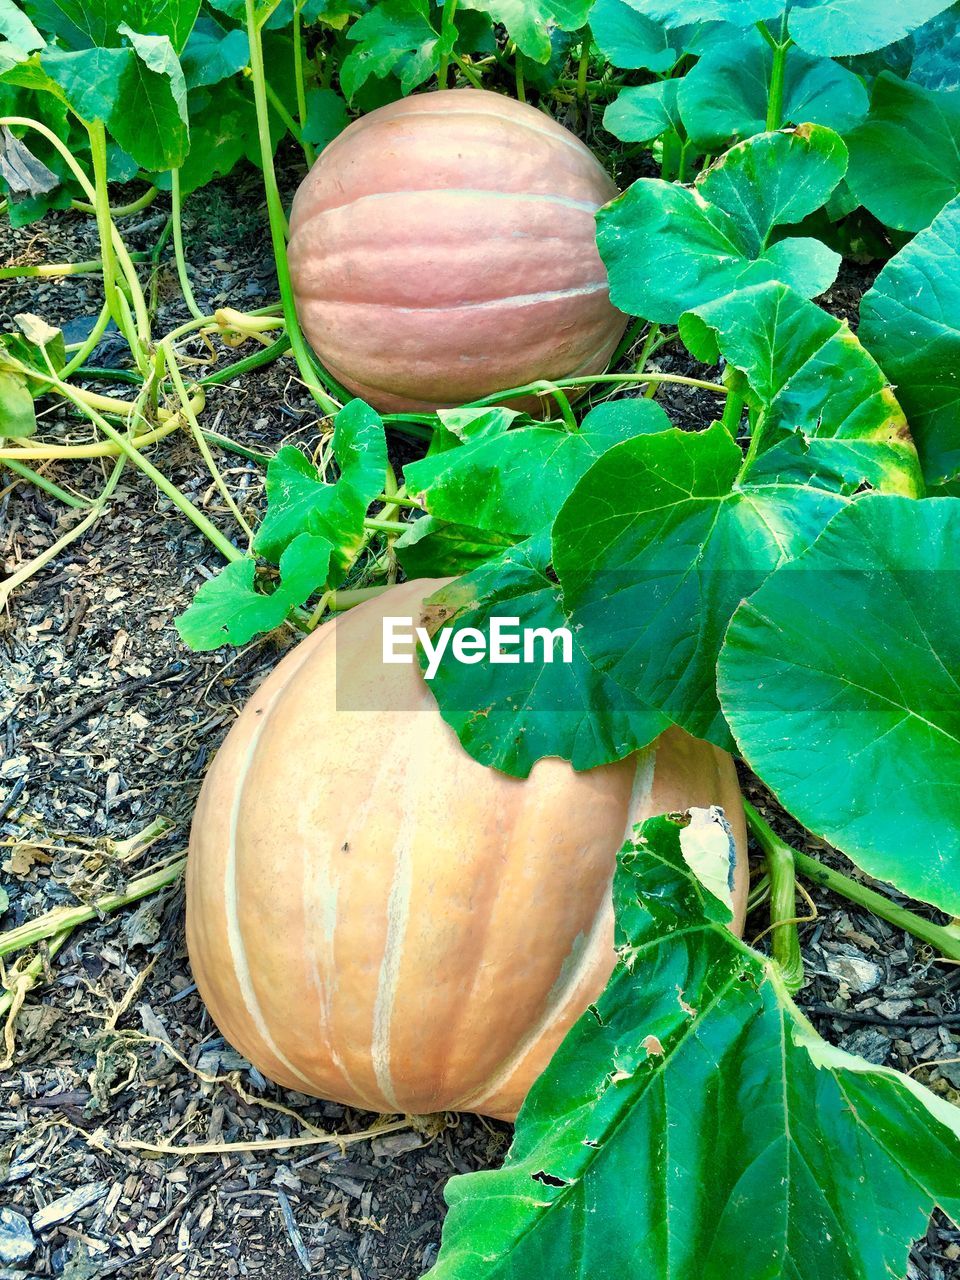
(505, 643)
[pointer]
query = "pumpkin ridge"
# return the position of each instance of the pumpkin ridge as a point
(238, 954)
(563, 992)
(364, 124)
(518, 299)
(453, 1025)
(432, 193)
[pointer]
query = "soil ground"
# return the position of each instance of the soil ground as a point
(106, 723)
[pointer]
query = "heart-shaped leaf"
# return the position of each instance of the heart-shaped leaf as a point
(853, 652)
(668, 248)
(914, 133)
(693, 1124)
(829, 416)
(841, 28)
(910, 320)
(725, 95)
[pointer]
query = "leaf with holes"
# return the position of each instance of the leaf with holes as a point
(693, 1123)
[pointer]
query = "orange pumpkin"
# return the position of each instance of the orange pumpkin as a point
(375, 918)
(442, 248)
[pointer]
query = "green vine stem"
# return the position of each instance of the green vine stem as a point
(48, 486)
(781, 871)
(119, 248)
(777, 72)
(298, 60)
(289, 123)
(123, 210)
(944, 939)
(277, 218)
(98, 152)
(45, 270)
(128, 448)
(65, 919)
(175, 376)
(264, 356)
(182, 275)
(26, 571)
(545, 388)
(448, 36)
(736, 385)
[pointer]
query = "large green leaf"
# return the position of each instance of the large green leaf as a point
(396, 36)
(839, 678)
(628, 38)
(677, 13)
(432, 548)
(656, 547)
(643, 112)
(839, 28)
(725, 95)
(514, 482)
(137, 91)
(828, 414)
(668, 248)
(300, 501)
(80, 24)
(693, 1124)
(511, 712)
(530, 22)
(910, 320)
(905, 158)
(936, 52)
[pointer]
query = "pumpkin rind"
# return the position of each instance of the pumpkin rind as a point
(374, 917)
(442, 248)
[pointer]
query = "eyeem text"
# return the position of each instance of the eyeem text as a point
(505, 642)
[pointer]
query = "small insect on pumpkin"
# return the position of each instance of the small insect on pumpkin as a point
(373, 917)
(442, 249)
